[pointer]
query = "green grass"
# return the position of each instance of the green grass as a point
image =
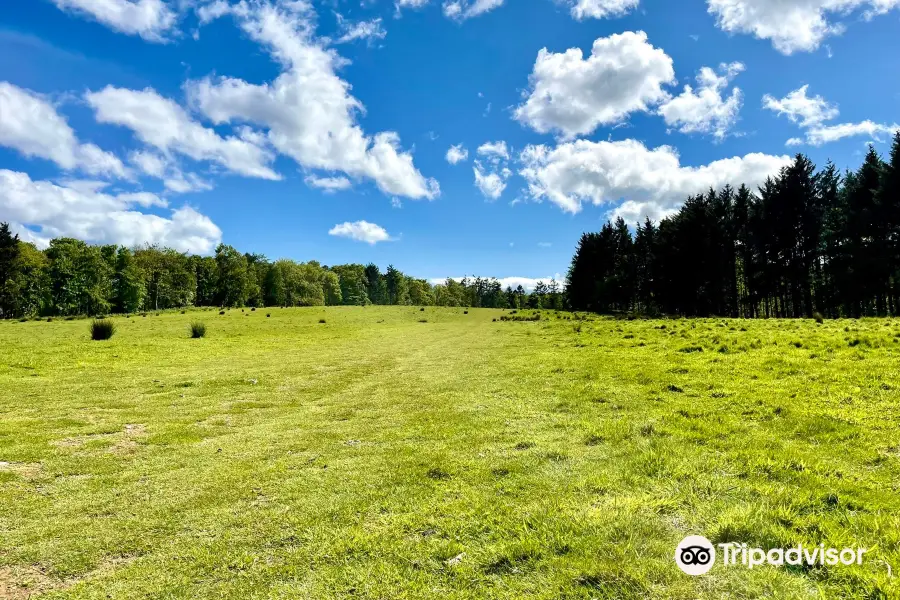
(377, 456)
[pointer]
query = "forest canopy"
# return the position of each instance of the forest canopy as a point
(808, 241)
(71, 277)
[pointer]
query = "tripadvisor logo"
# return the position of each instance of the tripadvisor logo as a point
(696, 555)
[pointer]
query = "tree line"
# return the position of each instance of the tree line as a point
(71, 277)
(807, 242)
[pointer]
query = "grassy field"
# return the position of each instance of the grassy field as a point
(396, 453)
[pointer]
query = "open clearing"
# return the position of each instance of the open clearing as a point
(377, 456)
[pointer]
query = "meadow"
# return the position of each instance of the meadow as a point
(393, 452)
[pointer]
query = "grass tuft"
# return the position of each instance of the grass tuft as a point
(198, 330)
(102, 329)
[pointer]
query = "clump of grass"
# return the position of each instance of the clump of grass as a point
(423, 320)
(268, 315)
(322, 321)
(102, 329)
(49, 319)
(422, 309)
(534, 317)
(198, 330)
(221, 312)
(465, 312)
(253, 309)
(818, 317)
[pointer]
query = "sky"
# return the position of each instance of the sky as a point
(446, 137)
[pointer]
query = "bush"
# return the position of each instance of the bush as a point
(253, 309)
(198, 330)
(102, 329)
(818, 317)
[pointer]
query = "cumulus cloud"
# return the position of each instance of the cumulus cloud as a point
(308, 112)
(463, 9)
(704, 110)
(456, 154)
(150, 19)
(811, 114)
(31, 125)
(361, 231)
(573, 95)
(164, 168)
(361, 30)
(655, 181)
(491, 183)
(494, 150)
(329, 184)
(601, 9)
(84, 211)
(791, 25)
(800, 108)
(163, 124)
(491, 179)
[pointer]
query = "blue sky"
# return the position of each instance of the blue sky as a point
(321, 130)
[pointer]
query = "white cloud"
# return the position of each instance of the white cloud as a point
(545, 245)
(801, 109)
(491, 182)
(31, 125)
(163, 124)
(456, 154)
(601, 9)
(84, 212)
(207, 13)
(361, 30)
(150, 19)
(608, 172)
(823, 134)
(162, 167)
(463, 9)
(308, 111)
(494, 150)
(704, 110)
(361, 231)
(329, 184)
(791, 25)
(811, 115)
(574, 95)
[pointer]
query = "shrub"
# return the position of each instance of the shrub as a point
(818, 317)
(198, 330)
(253, 309)
(102, 329)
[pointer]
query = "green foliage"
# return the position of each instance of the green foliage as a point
(807, 243)
(102, 329)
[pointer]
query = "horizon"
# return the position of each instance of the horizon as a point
(415, 149)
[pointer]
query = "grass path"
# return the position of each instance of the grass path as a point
(375, 456)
